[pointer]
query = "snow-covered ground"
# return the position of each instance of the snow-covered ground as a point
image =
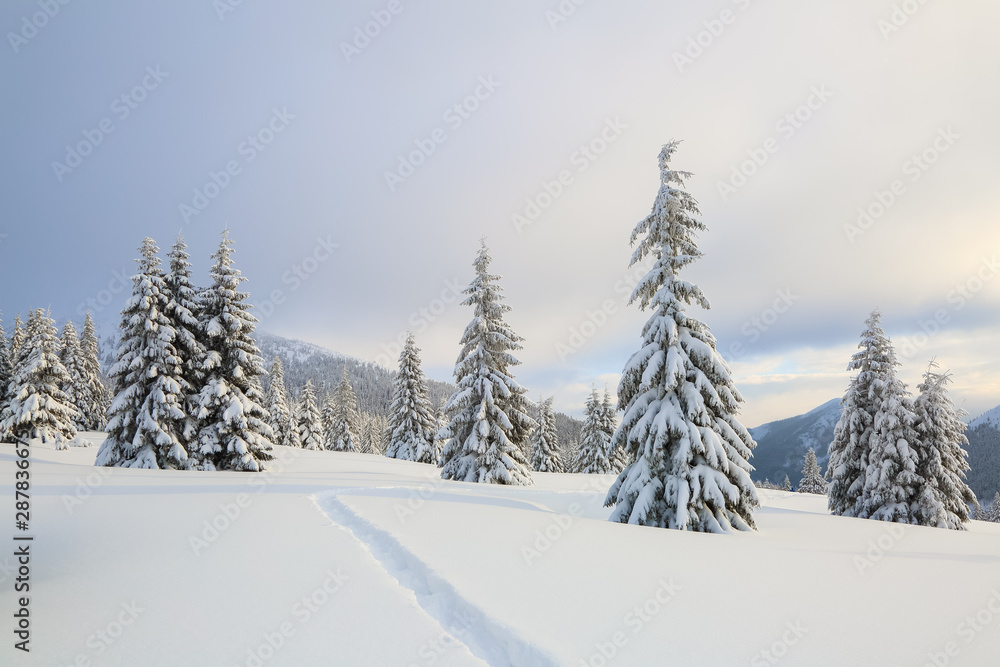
(341, 559)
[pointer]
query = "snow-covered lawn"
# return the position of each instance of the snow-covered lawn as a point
(349, 559)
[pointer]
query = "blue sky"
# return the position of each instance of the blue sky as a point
(282, 122)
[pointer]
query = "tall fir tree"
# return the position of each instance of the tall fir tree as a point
(812, 477)
(234, 434)
(308, 422)
(689, 454)
(38, 406)
(479, 446)
(97, 396)
(944, 498)
(411, 419)
(6, 375)
(891, 479)
(76, 388)
(849, 451)
(592, 457)
(328, 417)
(617, 456)
(147, 417)
(184, 312)
(545, 441)
(16, 340)
(340, 436)
(993, 513)
(277, 402)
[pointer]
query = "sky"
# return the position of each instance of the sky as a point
(843, 156)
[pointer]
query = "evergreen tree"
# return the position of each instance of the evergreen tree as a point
(328, 417)
(689, 454)
(943, 498)
(617, 456)
(234, 434)
(340, 437)
(544, 441)
(76, 388)
(812, 477)
(787, 484)
(97, 398)
(38, 407)
(994, 512)
(411, 419)
(308, 423)
(277, 403)
(980, 514)
(16, 341)
(891, 480)
(146, 417)
(6, 375)
(479, 446)
(184, 312)
(849, 452)
(592, 457)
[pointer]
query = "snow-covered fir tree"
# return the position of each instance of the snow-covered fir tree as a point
(943, 498)
(184, 312)
(411, 418)
(592, 457)
(308, 431)
(891, 479)
(328, 417)
(16, 340)
(97, 397)
(479, 446)
(544, 441)
(980, 513)
(617, 456)
(340, 436)
(277, 402)
(234, 433)
(689, 454)
(6, 375)
(993, 513)
(38, 408)
(812, 477)
(848, 464)
(147, 415)
(371, 433)
(787, 484)
(76, 388)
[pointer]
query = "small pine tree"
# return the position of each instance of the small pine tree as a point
(592, 457)
(97, 398)
(993, 514)
(328, 417)
(6, 375)
(234, 433)
(617, 456)
(16, 340)
(411, 419)
(787, 484)
(545, 441)
(147, 417)
(38, 407)
(340, 437)
(479, 446)
(277, 402)
(812, 477)
(308, 422)
(943, 497)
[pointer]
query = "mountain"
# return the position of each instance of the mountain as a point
(984, 454)
(782, 444)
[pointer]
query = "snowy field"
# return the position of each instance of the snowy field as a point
(350, 559)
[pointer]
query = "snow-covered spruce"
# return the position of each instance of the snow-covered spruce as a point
(6, 375)
(38, 407)
(993, 513)
(234, 434)
(617, 456)
(76, 386)
(411, 419)
(944, 498)
(544, 441)
(592, 456)
(277, 402)
(183, 309)
(848, 464)
(147, 416)
(479, 446)
(97, 396)
(689, 454)
(812, 477)
(16, 340)
(308, 424)
(341, 429)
